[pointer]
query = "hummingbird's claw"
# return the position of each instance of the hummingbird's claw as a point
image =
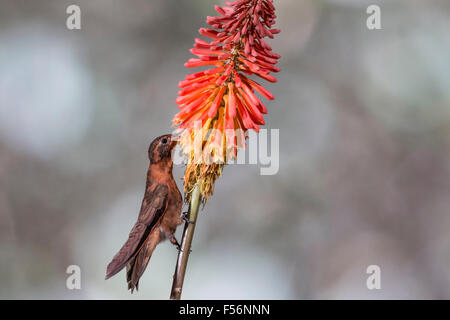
(185, 218)
(175, 242)
(181, 250)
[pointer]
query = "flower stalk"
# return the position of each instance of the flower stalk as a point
(185, 248)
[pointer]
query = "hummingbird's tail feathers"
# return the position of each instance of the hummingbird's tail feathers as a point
(130, 267)
(120, 260)
(139, 262)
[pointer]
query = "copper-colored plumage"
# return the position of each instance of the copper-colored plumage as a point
(159, 216)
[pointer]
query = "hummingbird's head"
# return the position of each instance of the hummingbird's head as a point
(161, 148)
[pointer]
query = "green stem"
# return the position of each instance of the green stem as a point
(183, 254)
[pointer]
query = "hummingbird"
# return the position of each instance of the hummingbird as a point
(159, 216)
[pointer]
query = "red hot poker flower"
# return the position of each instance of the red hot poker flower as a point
(223, 97)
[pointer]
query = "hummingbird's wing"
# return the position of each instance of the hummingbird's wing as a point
(153, 206)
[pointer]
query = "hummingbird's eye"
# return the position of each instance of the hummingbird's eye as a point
(164, 141)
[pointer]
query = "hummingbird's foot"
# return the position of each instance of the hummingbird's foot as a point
(175, 242)
(185, 218)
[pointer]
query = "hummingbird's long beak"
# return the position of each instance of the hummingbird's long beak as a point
(175, 138)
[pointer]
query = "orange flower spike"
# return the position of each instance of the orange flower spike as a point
(223, 97)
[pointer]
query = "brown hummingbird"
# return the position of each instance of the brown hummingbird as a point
(159, 217)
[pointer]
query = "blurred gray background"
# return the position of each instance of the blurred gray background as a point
(364, 119)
